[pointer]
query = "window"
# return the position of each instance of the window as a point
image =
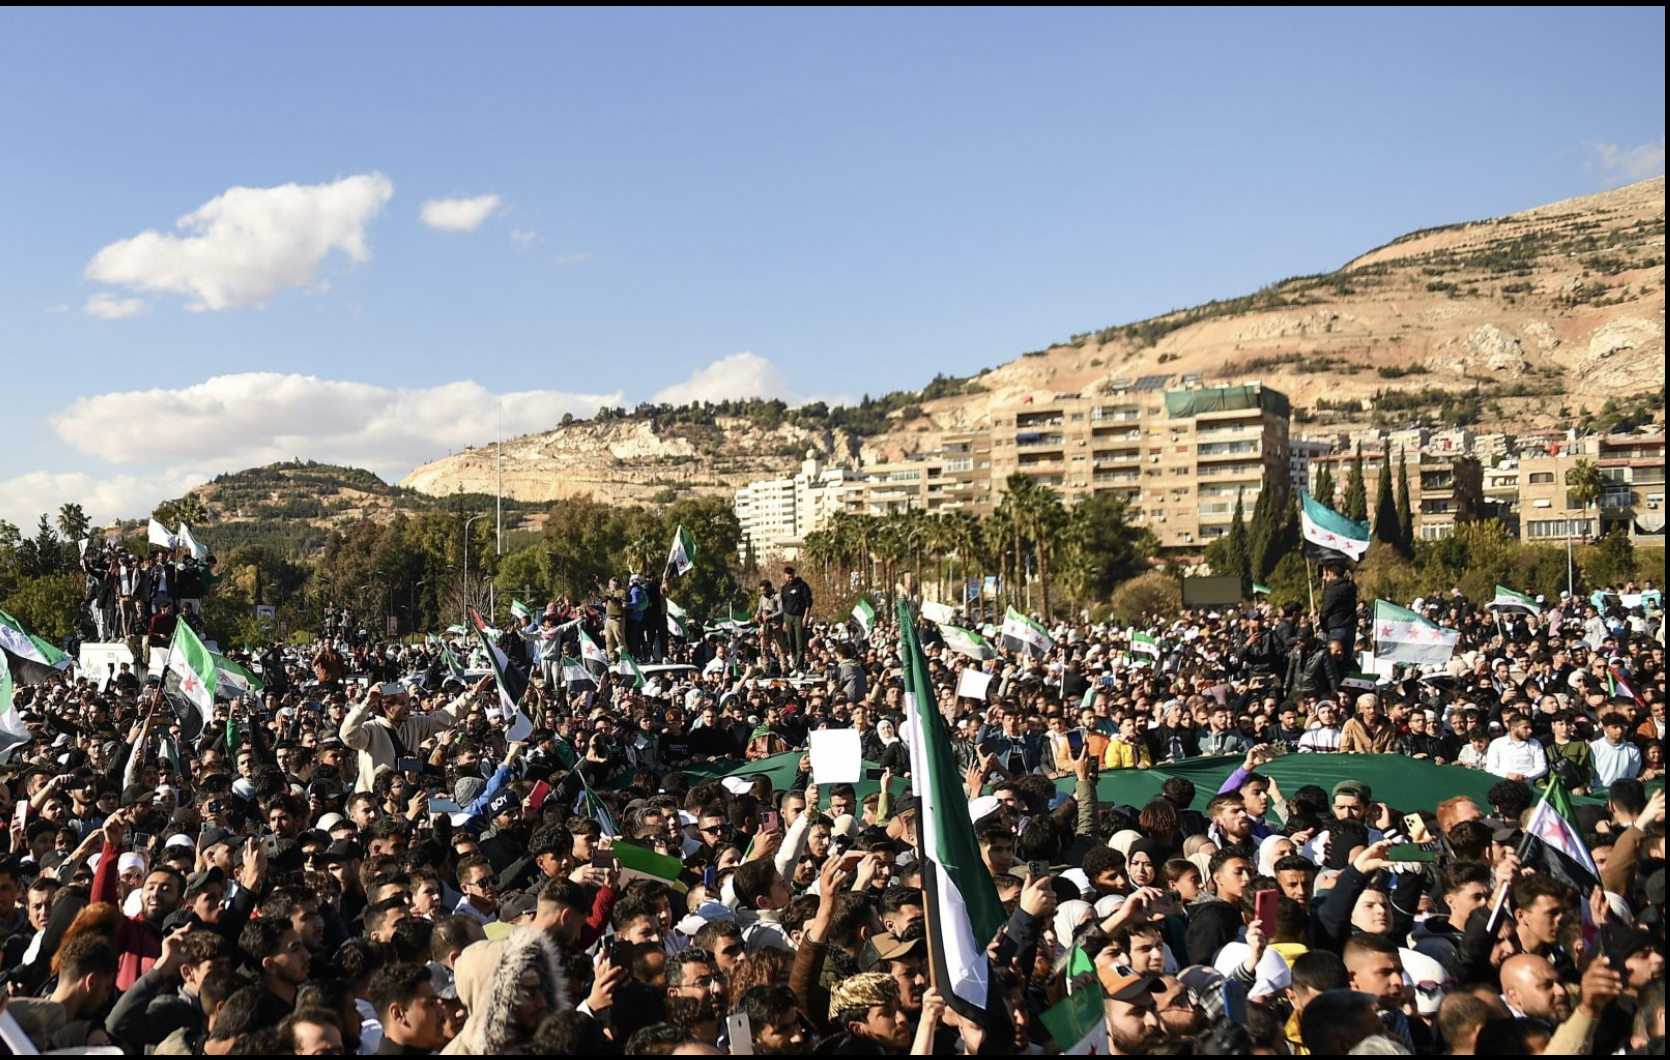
(1557, 528)
(1541, 478)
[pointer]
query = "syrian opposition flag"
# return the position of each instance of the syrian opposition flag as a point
(1021, 634)
(967, 642)
(591, 654)
(512, 683)
(938, 614)
(1508, 600)
(640, 863)
(1620, 688)
(184, 540)
(957, 888)
(158, 535)
(454, 667)
(1324, 527)
(678, 620)
(1260, 590)
(1400, 635)
(1361, 682)
(864, 613)
(1144, 644)
(683, 555)
(522, 611)
(1078, 1022)
(13, 733)
(190, 660)
(1558, 849)
(588, 805)
(234, 680)
(32, 658)
(628, 668)
(576, 676)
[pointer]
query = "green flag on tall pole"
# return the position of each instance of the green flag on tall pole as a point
(960, 901)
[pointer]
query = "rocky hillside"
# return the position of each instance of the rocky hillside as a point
(1539, 314)
(1517, 322)
(635, 459)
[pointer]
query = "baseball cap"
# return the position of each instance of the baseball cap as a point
(1132, 986)
(1353, 787)
(888, 947)
(504, 802)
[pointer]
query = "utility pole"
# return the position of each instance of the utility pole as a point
(466, 583)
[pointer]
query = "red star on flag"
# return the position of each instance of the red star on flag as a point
(1385, 631)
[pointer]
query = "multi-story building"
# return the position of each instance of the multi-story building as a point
(954, 476)
(1178, 456)
(1632, 489)
(776, 514)
(1302, 452)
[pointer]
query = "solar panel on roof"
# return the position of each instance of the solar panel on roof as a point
(1152, 382)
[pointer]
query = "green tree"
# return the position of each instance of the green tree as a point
(1583, 485)
(1101, 549)
(73, 522)
(1325, 484)
(1386, 527)
(1611, 562)
(1356, 491)
(1405, 515)
(1261, 533)
(1153, 593)
(1236, 559)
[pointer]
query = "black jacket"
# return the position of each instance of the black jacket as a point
(1339, 606)
(796, 597)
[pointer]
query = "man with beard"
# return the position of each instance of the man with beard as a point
(507, 841)
(696, 993)
(775, 1020)
(1134, 1026)
(161, 894)
(1181, 1016)
(1532, 988)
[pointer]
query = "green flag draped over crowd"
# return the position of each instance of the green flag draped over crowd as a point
(512, 684)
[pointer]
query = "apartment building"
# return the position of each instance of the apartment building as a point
(776, 514)
(1179, 456)
(954, 475)
(1632, 490)
(1302, 452)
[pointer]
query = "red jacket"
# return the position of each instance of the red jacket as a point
(138, 944)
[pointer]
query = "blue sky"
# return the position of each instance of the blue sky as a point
(400, 220)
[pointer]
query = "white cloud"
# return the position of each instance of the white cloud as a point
(741, 375)
(256, 418)
(24, 498)
(523, 237)
(240, 248)
(1626, 164)
(459, 215)
(108, 307)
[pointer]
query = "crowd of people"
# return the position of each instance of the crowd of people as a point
(357, 859)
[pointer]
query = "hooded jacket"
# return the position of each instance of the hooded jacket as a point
(488, 975)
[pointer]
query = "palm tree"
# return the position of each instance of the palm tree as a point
(73, 522)
(1583, 485)
(1036, 517)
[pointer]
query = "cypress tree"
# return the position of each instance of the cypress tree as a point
(1405, 516)
(1387, 528)
(1237, 555)
(1356, 493)
(1261, 535)
(1325, 485)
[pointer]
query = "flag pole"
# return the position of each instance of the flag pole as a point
(1311, 588)
(1524, 848)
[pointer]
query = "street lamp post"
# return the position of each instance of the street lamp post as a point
(466, 593)
(413, 611)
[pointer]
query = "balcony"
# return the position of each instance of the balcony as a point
(1031, 440)
(1222, 450)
